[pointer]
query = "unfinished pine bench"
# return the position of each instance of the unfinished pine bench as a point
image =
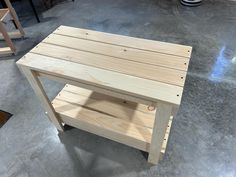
(123, 88)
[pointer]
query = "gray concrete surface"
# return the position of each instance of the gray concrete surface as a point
(203, 137)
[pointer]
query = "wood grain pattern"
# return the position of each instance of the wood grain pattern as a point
(150, 45)
(97, 89)
(105, 118)
(137, 113)
(138, 87)
(152, 72)
(162, 118)
(117, 52)
(39, 91)
(130, 123)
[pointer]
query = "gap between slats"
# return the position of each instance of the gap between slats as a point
(115, 39)
(170, 63)
(156, 73)
(117, 51)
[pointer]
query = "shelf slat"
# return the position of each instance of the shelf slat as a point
(125, 122)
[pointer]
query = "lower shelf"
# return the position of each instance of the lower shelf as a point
(122, 121)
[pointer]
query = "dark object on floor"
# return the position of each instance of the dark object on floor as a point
(49, 3)
(191, 2)
(4, 117)
(34, 10)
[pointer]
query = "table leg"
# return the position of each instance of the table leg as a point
(39, 91)
(17, 22)
(162, 117)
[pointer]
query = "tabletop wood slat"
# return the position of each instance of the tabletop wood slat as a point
(145, 69)
(157, 73)
(137, 55)
(156, 46)
(139, 87)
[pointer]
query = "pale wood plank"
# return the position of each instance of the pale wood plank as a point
(152, 72)
(156, 46)
(99, 118)
(75, 57)
(99, 96)
(166, 137)
(163, 114)
(42, 96)
(118, 52)
(106, 133)
(167, 134)
(136, 113)
(138, 87)
(104, 125)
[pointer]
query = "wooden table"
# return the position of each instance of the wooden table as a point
(122, 88)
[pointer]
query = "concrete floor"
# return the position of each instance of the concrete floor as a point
(203, 137)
